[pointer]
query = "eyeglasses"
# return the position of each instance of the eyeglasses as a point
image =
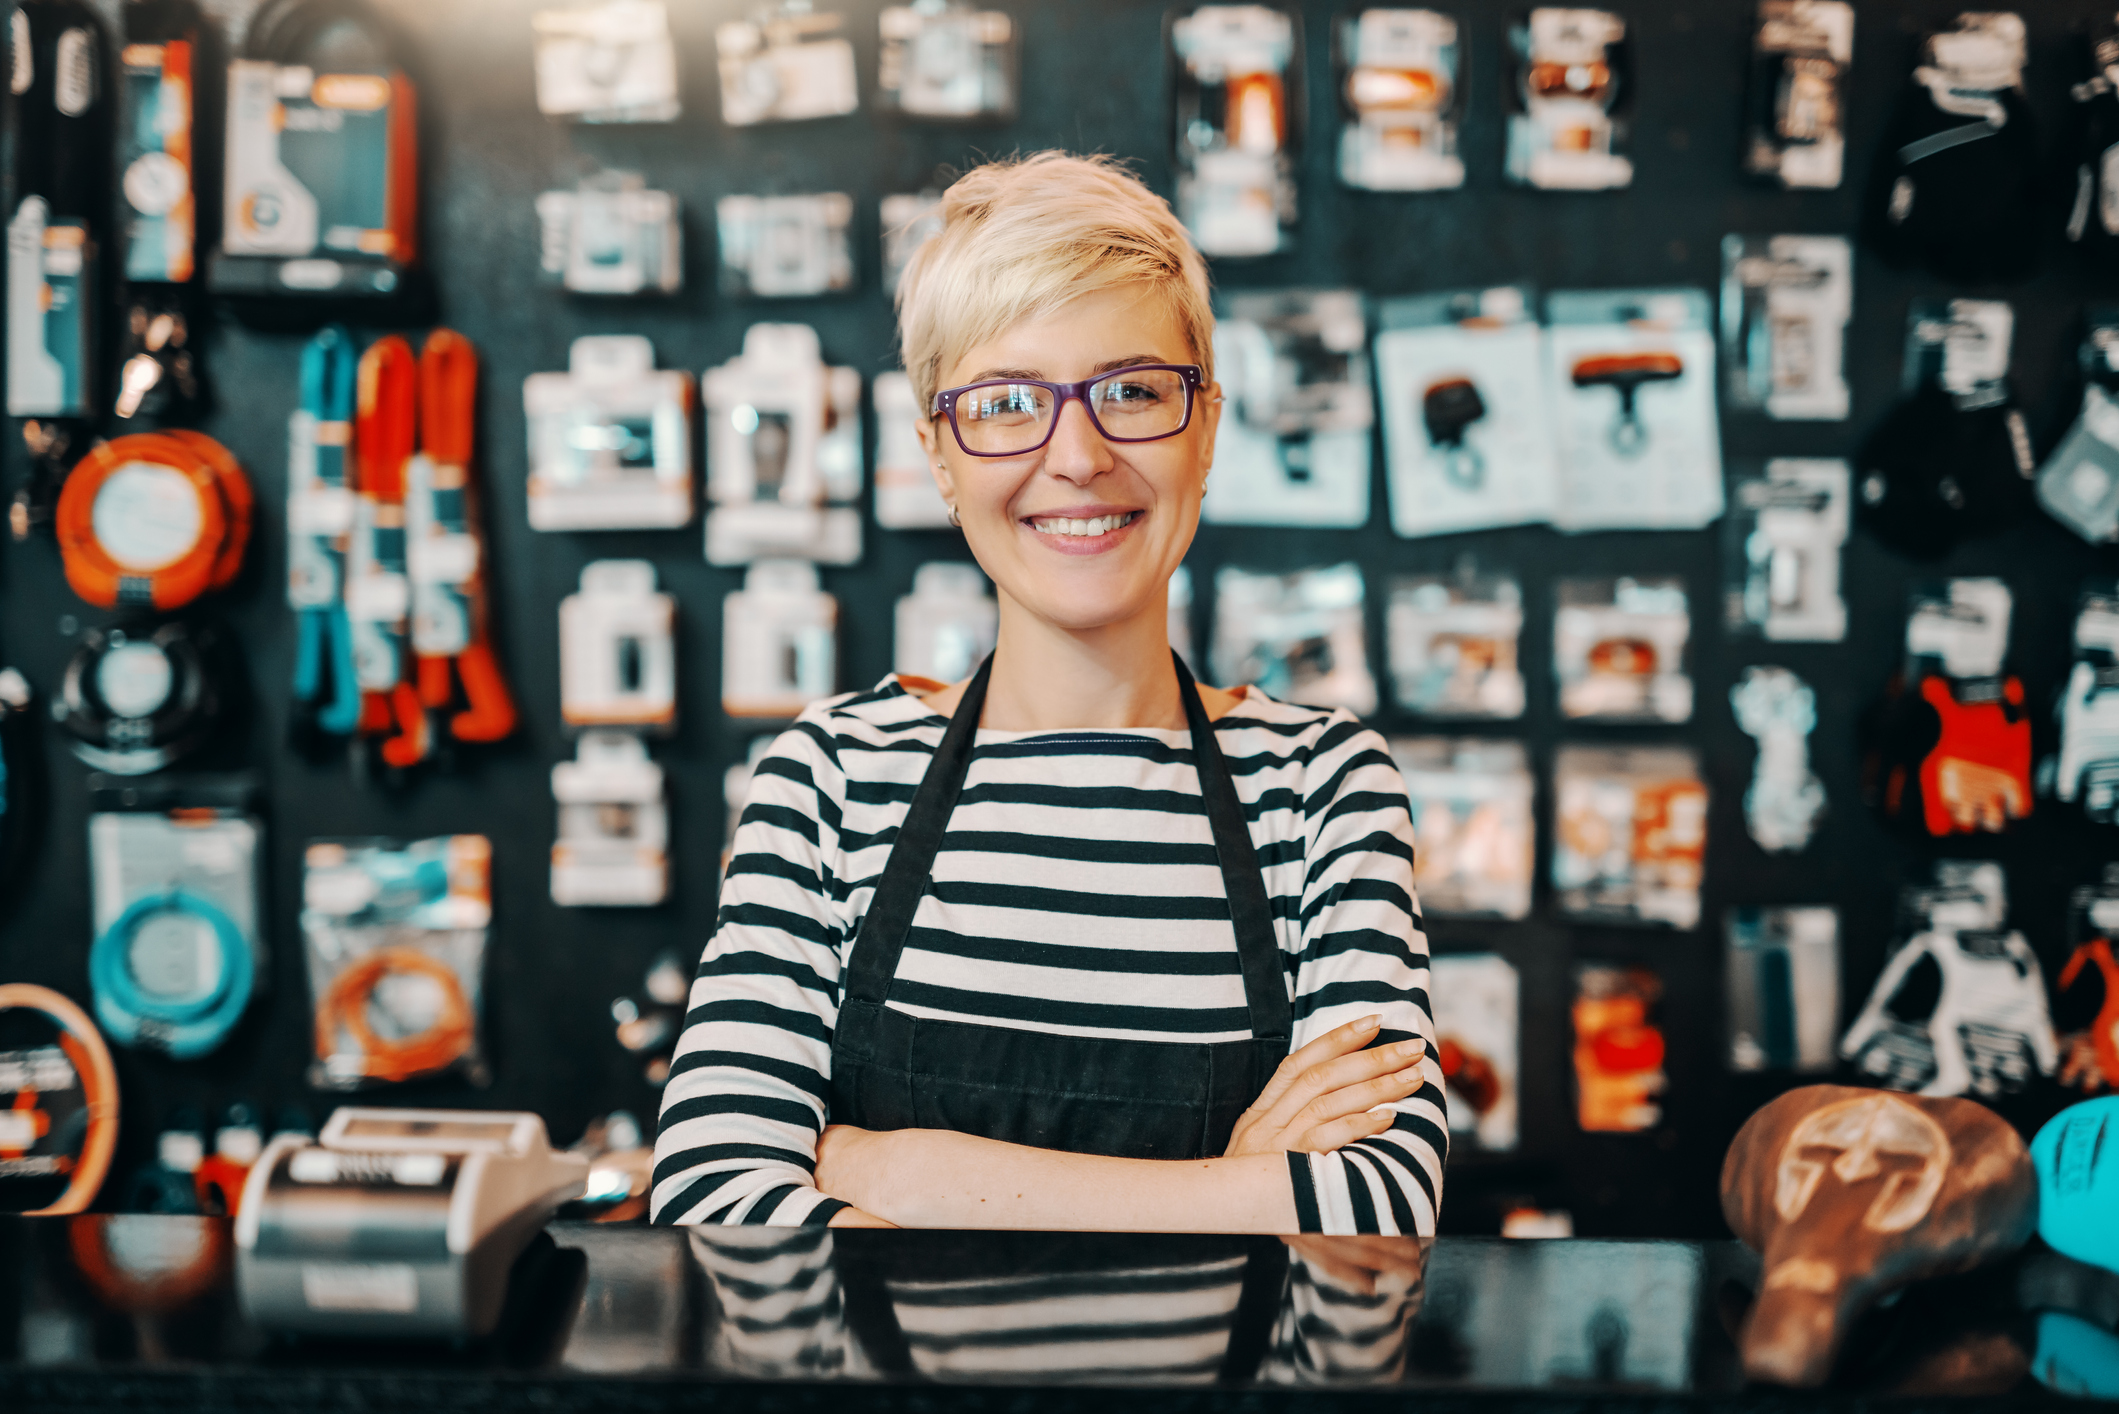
(1014, 417)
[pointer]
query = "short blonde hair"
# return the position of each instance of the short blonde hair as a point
(1024, 236)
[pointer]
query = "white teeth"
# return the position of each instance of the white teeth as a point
(1061, 525)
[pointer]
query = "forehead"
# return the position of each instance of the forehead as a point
(1129, 321)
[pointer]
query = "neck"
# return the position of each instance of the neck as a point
(1117, 677)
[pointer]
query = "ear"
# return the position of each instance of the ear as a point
(931, 444)
(1208, 409)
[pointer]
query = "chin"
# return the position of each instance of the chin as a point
(1084, 609)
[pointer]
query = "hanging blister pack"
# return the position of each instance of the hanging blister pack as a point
(1401, 82)
(785, 247)
(1467, 418)
(1960, 1008)
(947, 59)
(617, 650)
(1786, 301)
(785, 64)
(610, 439)
(779, 641)
(612, 850)
(907, 497)
(1237, 93)
(2086, 995)
(1630, 827)
(320, 514)
(947, 625)
(2086, 772)
(783, 452)
(1471, 801)
(156, 147)
(1781, 551)
(396, 941)
(2078, 484)
(134, 702)
(1618, 648)
(2093, 139)
(611, 235)
(321, 195)
(1633, 379)
(608, 62)
(1299, 637)
(1779, 710)
(1619, 1048)
(1953, 459)
(1570, 91)
(1452, 645)
(1795, 129)
(1949, 747)
(179, 952)
(1783, 989)
(910, 220)
(1478, 1032)
(1293, 445)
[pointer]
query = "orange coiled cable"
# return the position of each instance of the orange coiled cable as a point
(345, 1007)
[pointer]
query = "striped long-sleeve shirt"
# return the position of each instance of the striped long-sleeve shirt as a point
(1076, 893)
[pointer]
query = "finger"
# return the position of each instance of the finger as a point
(1336, 1042)
(1357, 1099)
(1341, 1072)
(1323, 1260)
(1337, 1134)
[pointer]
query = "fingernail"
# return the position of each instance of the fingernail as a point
(1411, 1077)
(1368, 1023)
(1409, 1048)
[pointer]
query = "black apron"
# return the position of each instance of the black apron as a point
(1079, 1094)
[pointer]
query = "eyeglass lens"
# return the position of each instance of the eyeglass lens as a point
(999, 419)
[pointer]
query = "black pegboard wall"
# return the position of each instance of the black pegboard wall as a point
(1094, 79)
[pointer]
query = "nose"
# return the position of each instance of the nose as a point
(1077, 451)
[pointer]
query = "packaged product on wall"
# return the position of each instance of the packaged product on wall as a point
(2086, 996)
(395, 934)
(1467, 416)
(907, 497)
(1401, 87)
(1630, 834)
(1299, 637)
(610, 62)
(1782, 542)
(1471, 801)
(160, 65)
(611, 235)
(1237, 101)
(783, 64)
(783, 452)
(617, 651)
(1785, 797)
(1795, 130)
(1634, 384)
(910, 220)
(950, 60)
(1619, 1048)
(1478, 1032)
(1293, 445)
(612, 848)
(1960, 1007)
(1452, 641)
(1782, 971)
(779, 641)
(947, 625)
(2086, 772)
(2092, 135)
(785, 247)
(610, 439)
(1619, 649)
(1786, 301)
(2078, 483)
(1570, 92)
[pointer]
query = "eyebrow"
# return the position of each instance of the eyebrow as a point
(1033, 376)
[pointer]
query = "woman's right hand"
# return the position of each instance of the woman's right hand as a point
(1324, 1096)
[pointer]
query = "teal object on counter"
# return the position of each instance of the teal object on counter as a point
(2076, 1357)
(2076, 1156)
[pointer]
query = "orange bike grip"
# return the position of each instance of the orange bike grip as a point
(435, 688)
(492, 710)
(409, 746)
(448, 397)
(386, 418)
(375, 713)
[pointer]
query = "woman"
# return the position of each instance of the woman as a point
(1075, 944)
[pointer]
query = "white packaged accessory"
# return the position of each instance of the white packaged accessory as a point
(1237, 85)
(1299, 637)
(611, 62)
(2078, 484)
(947, 59)
(947, 625)
(1786, 301)
(1467, 414)
(785, 64)
(1782, 541)
(1630, 834)
(907, 497)
(1796, 131)
(1478, 1031)
(1293, 446)
(785, 247)
(1633, 380)
(779, 641)
(613, 844)
(1783, 989)
(1786, 797)
(910, 220)
(611, 236)
(1452, 642)
(2086, 772)
(610, 439)
(1570, 90)
(783, 452)
(1471, 802)
(1618, 648)
(617, 650)
(1403, 96)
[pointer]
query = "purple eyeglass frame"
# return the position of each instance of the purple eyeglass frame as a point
(1194, 376)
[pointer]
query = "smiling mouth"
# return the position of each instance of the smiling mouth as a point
(1097, 525)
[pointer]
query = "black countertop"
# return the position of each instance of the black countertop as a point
(139, 1313)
